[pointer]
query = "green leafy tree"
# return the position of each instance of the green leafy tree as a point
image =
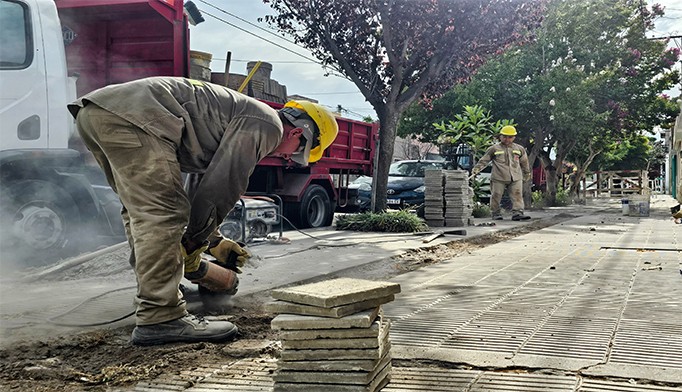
(474, 127)
(398, 51)
(591, 78)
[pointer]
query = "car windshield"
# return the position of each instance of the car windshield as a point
(412, 169)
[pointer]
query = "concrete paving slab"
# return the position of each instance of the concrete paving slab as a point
(337, 354)
(278, 307)
(344, 376)
(342, 343)
(362, 319)
(336, 292)
(347, 333)
(323, 366)
(375, 385)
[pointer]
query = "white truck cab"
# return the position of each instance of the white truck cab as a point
(47, 204)
(34, 85)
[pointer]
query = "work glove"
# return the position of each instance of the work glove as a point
(192, 260)
(473, 175)
(526, 177)
(229, 254)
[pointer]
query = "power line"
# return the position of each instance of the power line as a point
(337, 74)
(269, 61)
(339, 93)
(259, 37)
(249, 23)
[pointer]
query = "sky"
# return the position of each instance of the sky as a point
(232, 25)
(301, 76)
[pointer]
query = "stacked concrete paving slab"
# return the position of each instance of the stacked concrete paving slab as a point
(333, 335)
(458, 198)
(434, 202)
(448, 200)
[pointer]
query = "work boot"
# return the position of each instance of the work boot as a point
(520, 217)
(497, 217)
(189, 329)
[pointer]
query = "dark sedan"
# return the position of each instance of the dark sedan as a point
(405, 184)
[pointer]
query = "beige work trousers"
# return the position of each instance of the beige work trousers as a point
(497, 189)
(144, 171)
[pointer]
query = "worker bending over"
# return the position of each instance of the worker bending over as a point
(144, 134)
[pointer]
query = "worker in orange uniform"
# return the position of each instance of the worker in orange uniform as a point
(510, 168)
(144, 134)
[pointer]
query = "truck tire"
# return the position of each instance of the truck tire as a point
(41, 223)
(314, 210)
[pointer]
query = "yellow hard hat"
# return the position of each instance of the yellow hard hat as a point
(326, 125)
(508, 130)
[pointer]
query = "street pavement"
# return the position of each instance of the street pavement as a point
(591, 304)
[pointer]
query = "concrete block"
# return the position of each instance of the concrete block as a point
(339, 377)
(347, 365)
(335, 312)
(380, 381)
(344, 343)
(337, 354)
(336, 292)
(362, 319)
(347, 333)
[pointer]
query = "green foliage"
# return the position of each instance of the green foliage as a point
(537, 199)
(481, 187)
(474, 126)
(401, 221)
(562, 197)
(589, 79)
(481, 211)
(632, 153)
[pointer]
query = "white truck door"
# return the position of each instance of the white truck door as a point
(32, 98)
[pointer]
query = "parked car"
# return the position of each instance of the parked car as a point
(405, 184)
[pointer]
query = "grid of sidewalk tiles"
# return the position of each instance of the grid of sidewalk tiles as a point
(575, 296)
(251, 375)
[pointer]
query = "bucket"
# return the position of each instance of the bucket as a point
(200, 65)
(625, 207)
(638, 205)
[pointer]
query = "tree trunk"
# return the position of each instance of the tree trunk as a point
(554, 170)
(532, 156)
(551, 175)
(580, 173)
(388, 121)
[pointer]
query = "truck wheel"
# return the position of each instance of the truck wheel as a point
(40, 221)
(314, 210)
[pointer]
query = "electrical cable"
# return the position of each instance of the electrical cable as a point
(53, 321)
(250, 23)
(337, 72)
(262, 38)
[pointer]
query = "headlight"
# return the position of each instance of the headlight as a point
(421, 189)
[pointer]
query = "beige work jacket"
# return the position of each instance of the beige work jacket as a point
(217, 132)
(510, 163)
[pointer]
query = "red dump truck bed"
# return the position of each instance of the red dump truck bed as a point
(114, 41)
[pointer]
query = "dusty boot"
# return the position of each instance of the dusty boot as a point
(497, 216)
(186, 329)
(520, 217)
